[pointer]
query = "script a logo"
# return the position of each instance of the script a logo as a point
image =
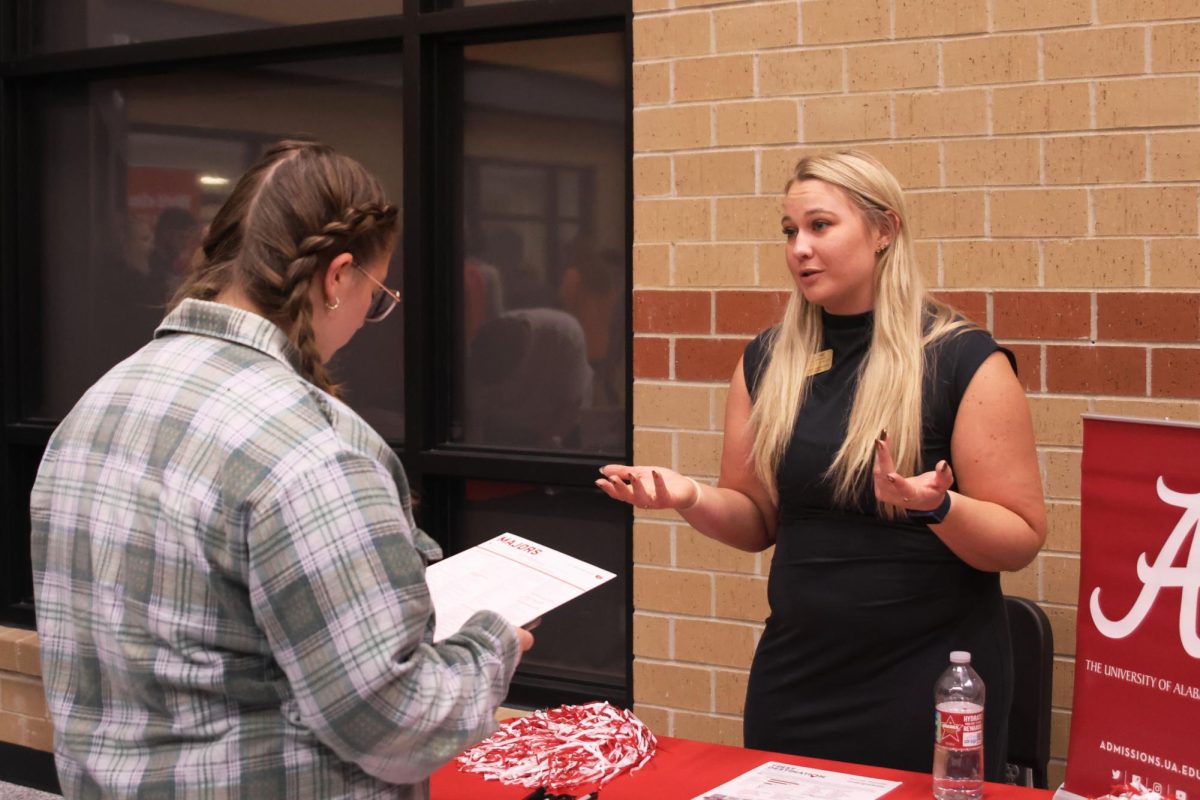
(1161, 574)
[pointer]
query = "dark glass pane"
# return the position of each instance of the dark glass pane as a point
(60, 25)
(584, 640)
(543, 294)
(131, 171)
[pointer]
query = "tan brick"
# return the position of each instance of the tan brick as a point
(992, 162)
(731, 691)
(800, 72)
(1186, 410)
(1061, 578)
(700, 453)
(1108, 158)
(1060, 732)
(1056, 772)
(1095, 52)
(652, 543)
(778, 164)
(990, 59)
(748, 218)
(715, 173)
(847, 118)
(651, 176)
(1022, 14)
(1174, 263)
(1039, 212)
(1175, 156)
(756, 26)
(915, 164)
(671, 128)
(951, 113)
(1176, 48)
(651, 264)
(651, 83)
(826, 21)
(697, 551)
(1146, 210)
(772, 267)
(673, 685)
(657, 720)
(1062, 475)
(928, 258)
(1095, 263)
(671, 35)
(671, 220)
(1138, 10)
(23, 695)
(651, 636)
(907, 65)
(1063, 691)
(26, 731)
(1147, 102)
(725, 644)
(714, 78)
(1043, 107)
(661, 405)
(940, 17)
(1056, 420)
(757, 122)
(989, 263)
(741, 597)
(714, 265)
(672, 591)
(942, 214)
(1062, 527)
(1024, 582)
(708, 728)
(8, 647)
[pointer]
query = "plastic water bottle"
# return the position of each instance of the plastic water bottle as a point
(958, 731)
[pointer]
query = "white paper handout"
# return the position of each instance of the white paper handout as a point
(518, 579)
(777, 781)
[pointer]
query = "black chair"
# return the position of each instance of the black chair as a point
(1033, 668)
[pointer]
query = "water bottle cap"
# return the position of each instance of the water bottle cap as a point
(960, 657)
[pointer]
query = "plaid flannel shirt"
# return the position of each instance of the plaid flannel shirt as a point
(230, 586)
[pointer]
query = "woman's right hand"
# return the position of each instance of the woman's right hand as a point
(649, 487)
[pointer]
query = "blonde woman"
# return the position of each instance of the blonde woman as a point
(883, 446)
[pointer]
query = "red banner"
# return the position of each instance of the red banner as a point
(1135, 727)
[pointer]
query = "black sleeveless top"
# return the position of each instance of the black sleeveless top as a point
(865, 612)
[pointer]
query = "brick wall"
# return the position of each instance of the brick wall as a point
(23, 717)
(1052, 153)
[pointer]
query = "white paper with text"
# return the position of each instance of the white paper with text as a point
(518, 579)
(777, 781)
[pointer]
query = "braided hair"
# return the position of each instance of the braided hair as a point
(288, 217)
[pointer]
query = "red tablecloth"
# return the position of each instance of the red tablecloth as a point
(682, 769)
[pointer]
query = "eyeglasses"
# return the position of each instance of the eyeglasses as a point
(383, 299)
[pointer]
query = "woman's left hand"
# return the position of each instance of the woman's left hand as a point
(922, 492)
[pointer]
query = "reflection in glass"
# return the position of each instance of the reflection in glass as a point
(60, 25)
(131, 171)
(543, 291)
(585, 639)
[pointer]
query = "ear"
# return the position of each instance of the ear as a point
(334, 280)
(886, 235)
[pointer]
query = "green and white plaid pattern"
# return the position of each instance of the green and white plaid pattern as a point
(230, 586)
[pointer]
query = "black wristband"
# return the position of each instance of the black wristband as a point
(933, 515)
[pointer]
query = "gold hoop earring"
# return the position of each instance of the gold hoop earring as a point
(334, 307)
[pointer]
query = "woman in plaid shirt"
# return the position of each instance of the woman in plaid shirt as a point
(229, 581)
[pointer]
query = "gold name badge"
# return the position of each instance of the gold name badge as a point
(819, 363)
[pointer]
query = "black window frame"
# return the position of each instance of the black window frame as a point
(430, 40)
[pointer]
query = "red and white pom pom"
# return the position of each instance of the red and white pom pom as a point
(563, 747)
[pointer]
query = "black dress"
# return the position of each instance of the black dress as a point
(865, 612)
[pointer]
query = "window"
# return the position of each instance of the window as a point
(502, 131)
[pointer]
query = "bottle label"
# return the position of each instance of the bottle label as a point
(959, 728)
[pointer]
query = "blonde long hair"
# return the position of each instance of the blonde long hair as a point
(907, 321)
